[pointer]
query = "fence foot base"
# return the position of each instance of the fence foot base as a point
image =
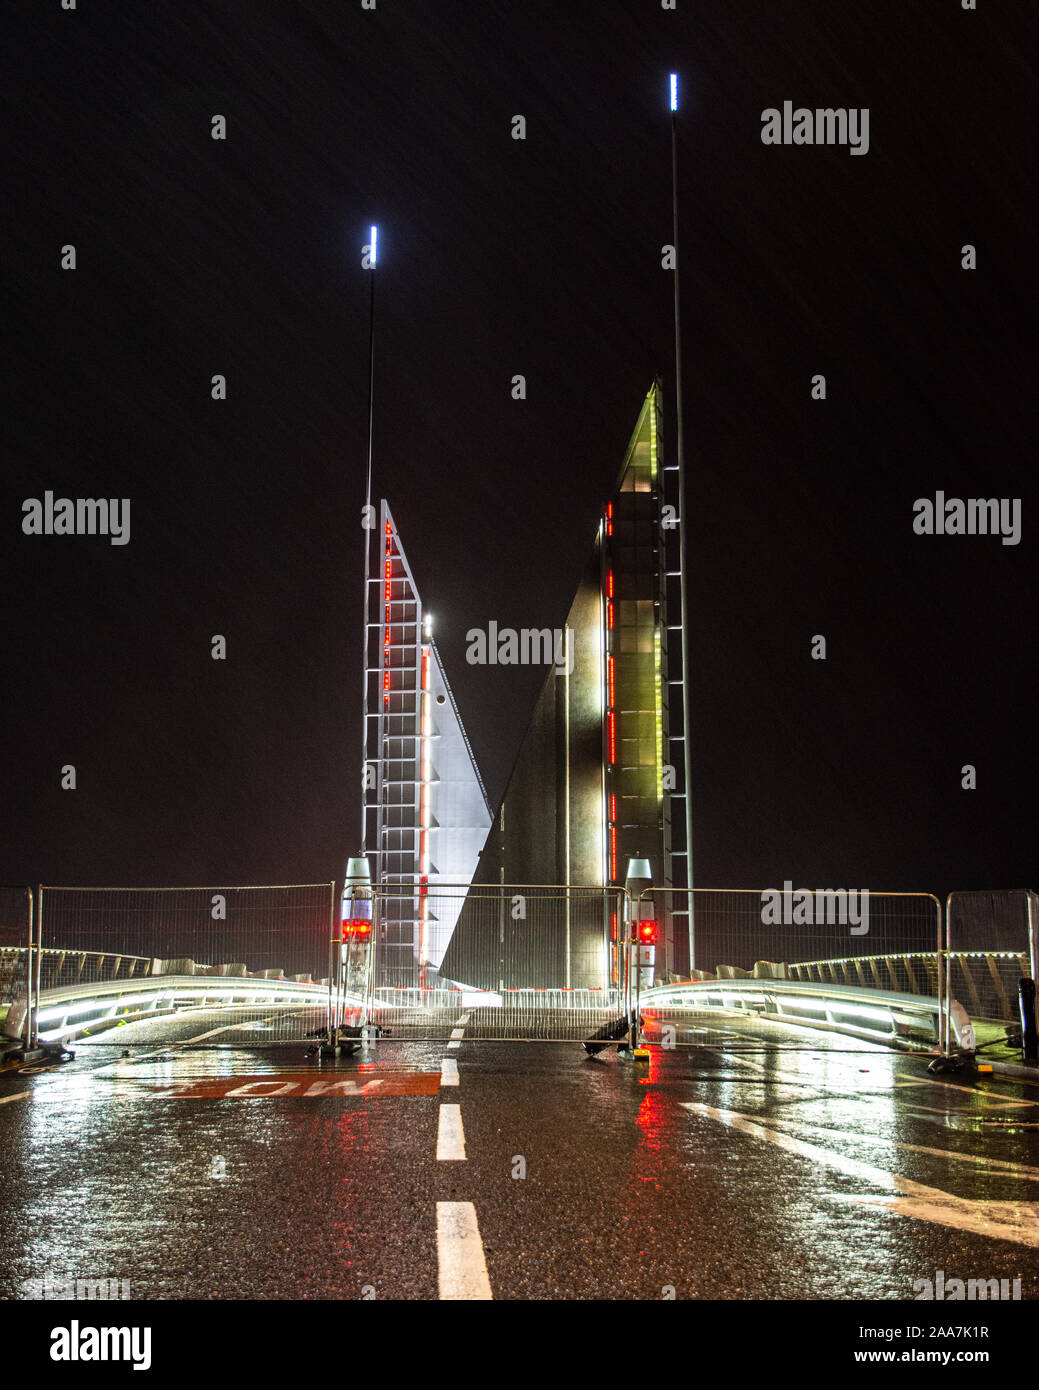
(962, 1062)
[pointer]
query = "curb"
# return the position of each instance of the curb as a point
(1016, 1069)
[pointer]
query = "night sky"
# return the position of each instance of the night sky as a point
(539, 257)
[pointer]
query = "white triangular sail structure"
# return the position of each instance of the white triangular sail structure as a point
(425, 806)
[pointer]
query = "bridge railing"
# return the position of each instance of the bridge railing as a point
(88, 1012)
(879, 1015)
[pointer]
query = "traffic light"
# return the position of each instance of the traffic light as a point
(646, 933)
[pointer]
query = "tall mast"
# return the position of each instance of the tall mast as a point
(687, 752)
(369, 261)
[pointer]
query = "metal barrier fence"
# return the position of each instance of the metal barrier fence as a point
(508, 961)
(736, 928)
(17, 934)
(103, 937)
(991, 941)
(886, 941)
(519, 961)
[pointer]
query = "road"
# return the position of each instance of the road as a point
(760, 1163)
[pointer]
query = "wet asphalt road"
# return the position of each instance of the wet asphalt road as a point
(762, 1163)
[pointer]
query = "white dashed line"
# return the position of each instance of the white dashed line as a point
(449, 1072)
(460, 1258)
(21, 1095)
(450, 1135)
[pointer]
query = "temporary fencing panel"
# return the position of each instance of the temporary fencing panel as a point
(172, 964)
(991, 938)
(17, 965)
(539, 962)
(518, 960)
(844, 947)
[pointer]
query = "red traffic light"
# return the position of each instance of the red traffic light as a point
(356, 930)
(647, 932)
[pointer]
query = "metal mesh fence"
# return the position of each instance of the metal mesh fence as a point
(161, 963)
(828, 938)
(734, 930)
(499, 961)
(521, 961)
(14, 937)
(991, 947)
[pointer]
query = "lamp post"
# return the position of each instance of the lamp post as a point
(368, 259)
(682, 553)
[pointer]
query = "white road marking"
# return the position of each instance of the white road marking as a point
(449, 1072)
(1014, 1221)
(450, 1135)
(461, 1265)
(457, 1035)
(943, 1110)
(21, 1095)
(998, 1165)
(160, 1051)
(990, 1100)
(789, 1078)
(463, 1019)
(260, 1088)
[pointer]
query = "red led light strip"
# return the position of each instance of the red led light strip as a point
(388, 574)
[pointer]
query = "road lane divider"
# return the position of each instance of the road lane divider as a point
(462, 1268)
(449, 1072)
(450, 1135)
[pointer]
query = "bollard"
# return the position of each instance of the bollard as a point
(351, 952)
(639, 880)
(1026, 1004)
